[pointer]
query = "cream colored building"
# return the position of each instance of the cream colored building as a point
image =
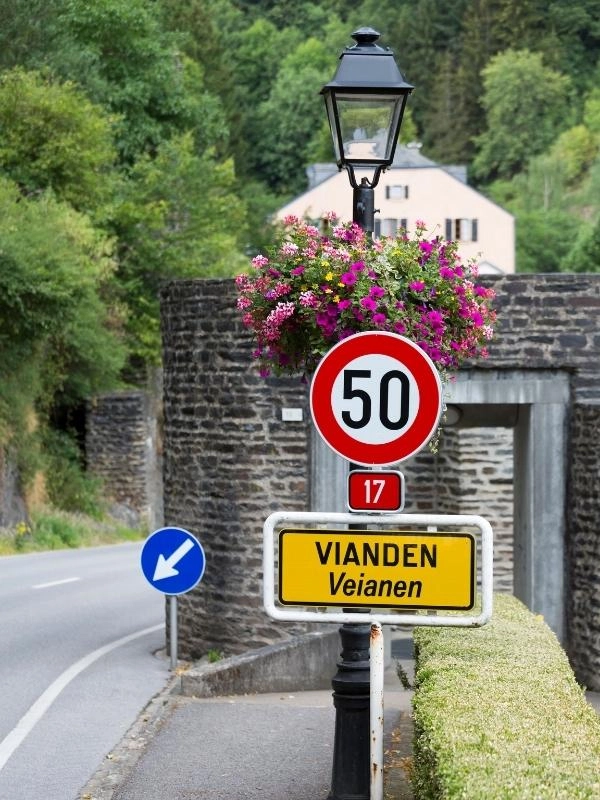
(416, 188)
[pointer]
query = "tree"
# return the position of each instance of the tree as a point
(53, 137)
(292, 115)
(56, 328)
(584, 256)
(118, 51)
(526, 107)
(178, 216)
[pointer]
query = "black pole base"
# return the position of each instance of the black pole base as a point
(351, 778)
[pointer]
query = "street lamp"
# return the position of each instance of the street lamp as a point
(365, 104)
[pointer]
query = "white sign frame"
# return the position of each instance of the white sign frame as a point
(279, 519)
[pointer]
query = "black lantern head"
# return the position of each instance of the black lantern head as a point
(365, 103)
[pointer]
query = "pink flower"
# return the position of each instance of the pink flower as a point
(288, 249)
(368, 303)
(376, 292)
(344, 304)
(416, 286)
(260, 261)
(379, 319)
(308, 299)
(297, 270)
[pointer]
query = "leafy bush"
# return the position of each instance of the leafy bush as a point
(69, 487)
(499, 715)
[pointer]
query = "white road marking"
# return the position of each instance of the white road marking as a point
(31, 717)
(55, 583)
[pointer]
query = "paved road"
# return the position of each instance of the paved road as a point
(79, 632)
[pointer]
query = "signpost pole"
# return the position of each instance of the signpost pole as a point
(173, 633)
(377, 678)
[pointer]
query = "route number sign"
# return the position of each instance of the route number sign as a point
(376, 398)
(375, 490)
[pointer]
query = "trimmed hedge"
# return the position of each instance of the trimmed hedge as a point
(499, 714)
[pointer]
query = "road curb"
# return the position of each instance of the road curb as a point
(302, 663)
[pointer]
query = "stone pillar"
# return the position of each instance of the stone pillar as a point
(236, 449)
(540, 499)
(583, 544)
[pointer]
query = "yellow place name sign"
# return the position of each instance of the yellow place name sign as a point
(388, 569)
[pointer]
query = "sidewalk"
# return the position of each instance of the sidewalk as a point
(272, 746)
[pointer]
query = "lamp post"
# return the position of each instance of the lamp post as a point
(365, 104)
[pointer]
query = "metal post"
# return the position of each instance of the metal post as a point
(363, 207)
(377, 678)
(173, 629)
(351, 752)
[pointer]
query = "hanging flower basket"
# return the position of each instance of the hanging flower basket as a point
(313, 290)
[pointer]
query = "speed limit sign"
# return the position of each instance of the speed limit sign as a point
(376, 398)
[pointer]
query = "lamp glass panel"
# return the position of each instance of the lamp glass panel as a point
(367, 126)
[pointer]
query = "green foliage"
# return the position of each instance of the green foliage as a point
(576, 149)
(498, 714)
(53, 137)
(584, 256)
(545, 239)
(178, 216)
(68, 485)
(126, 61)
(53, 265)
(286, 135)
(50, 529)
(526, 108)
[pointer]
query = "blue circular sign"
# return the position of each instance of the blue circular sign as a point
(173, 560)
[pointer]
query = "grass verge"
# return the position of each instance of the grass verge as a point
(50, 529)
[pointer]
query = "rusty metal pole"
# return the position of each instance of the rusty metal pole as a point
(377, 677)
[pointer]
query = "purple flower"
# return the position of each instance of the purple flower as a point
(368, 303)
(348, 278)
(297, 270)
(376, 291)
(416, 286)
(358, 266)
(379, 319)
(447, 272)
(344, 304)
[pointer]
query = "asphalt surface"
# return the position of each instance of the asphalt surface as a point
(79, 629)
(276, 746)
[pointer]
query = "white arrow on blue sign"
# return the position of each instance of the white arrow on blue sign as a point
(173, 560)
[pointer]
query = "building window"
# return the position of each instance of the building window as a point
(389, 227)
(461, 230)
(397, 192)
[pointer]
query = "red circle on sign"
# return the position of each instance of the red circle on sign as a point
(419, 428)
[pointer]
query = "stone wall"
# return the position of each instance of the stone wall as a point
(122, 448)
(230, 460)
(583, 546)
